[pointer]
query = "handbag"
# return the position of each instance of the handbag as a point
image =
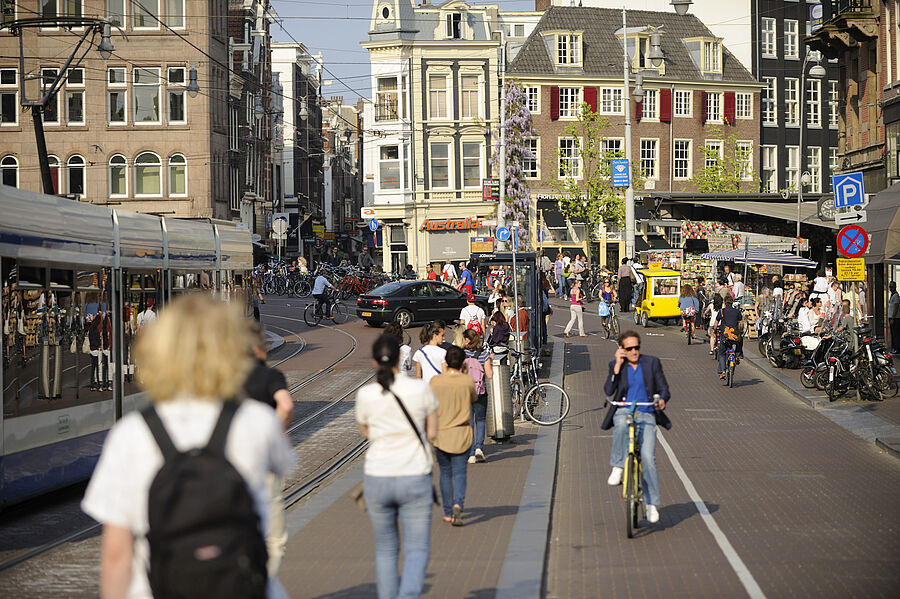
(73, 347)
(357, 492)
(86, 345)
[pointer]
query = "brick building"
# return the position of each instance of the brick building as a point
(699, 96)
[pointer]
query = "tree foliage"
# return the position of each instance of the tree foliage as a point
(585, 189)
(728, 172)
(518, 129)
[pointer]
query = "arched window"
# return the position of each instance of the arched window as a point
(9, 171)
(177, 175)
(75, 174)
(118, 176)
(147, 175)
(54, 172)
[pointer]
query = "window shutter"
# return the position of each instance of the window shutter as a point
(665, 105)
(703, 107)
(554, 103)
(638, 110)
(729, 108)
(590, 98)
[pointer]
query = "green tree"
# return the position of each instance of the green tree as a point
(585, 190)
(730, 171)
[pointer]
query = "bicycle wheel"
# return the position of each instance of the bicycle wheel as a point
(339, 312)
(631, 512)
(302, 288)
(540, 404)
(884, 380)
(808, 376)
(688, 330)
(731, 374)
(310, 316)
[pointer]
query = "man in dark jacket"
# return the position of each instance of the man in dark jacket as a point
(634, 378)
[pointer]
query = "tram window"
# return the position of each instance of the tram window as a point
(238, 281)
(88, 280)
(141, 303)
(31, 276)
(61, 278)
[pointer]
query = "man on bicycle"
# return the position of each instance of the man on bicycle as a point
(634, 378)
(321, 296)
(731, 329)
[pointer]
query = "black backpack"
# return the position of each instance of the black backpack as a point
(204, 536)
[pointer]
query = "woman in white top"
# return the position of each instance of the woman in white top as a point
(195, 355)
(429, 358)
(405, 365)
(398, 465)
(714, 308)
(820, 286)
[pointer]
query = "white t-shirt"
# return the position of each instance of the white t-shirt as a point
(119, 488)
(738, 289)
(406, 366)
(393, 447)
(820, 285)
(449, 272)
(894, 306)
(145, 317)
(436, 355)
(470, 313)
(803, 319)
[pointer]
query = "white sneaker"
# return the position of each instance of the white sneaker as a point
(471, 459)
(479, 455)
(652, 514)
(615, 477)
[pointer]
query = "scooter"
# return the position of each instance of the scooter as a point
(818, 358)
(785, 347)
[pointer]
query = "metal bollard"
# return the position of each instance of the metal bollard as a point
(499, 421)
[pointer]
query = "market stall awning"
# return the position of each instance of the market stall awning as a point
(883, 226)
(781, 210)
(761, 256)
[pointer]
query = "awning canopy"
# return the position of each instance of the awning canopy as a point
(761, 256)
(883, 226)
(809, 212)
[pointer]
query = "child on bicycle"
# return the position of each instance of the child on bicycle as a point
(634, 378)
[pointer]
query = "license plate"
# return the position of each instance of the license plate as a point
(831, 374)
(367, 314)
(798, 351)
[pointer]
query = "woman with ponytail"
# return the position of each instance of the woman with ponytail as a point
(395, 413)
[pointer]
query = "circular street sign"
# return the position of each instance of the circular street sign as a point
(280, 226)
(503, 233)
(373, 224)
(852, 241)
(320, 243)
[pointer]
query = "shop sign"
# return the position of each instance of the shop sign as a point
(482, 245)
(851, 269)
(319, 230)
(329, 236)
(655, 266)
(451, 224)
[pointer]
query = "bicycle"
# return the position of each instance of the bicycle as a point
(687, 319)
(632, 476)
(312, 315)
(610, 322)
(536, 399)
(730, 360)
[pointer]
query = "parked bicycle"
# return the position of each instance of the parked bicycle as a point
(533, 399)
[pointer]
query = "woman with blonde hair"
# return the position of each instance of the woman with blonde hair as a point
(191, 361)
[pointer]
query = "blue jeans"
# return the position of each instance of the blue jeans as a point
(406, 499)
(723, 352)
(479, 413)
(560, 285)
(453, 479)
(646, 439)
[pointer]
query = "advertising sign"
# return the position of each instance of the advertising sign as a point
(816, 17)
(490, 190)
(620, 174)
(482, 245)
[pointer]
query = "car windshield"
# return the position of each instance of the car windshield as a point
(387, 289)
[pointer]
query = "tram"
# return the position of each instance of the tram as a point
(78, 282)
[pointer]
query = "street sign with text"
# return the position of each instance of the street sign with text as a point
(851, 217)
(620, 175)
(848, 190)
(851, 269)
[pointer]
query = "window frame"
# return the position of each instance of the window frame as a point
(77, 90)
(124, 16)
(536, 150)
(741, 146)
(769, 102)
(432, 92)
(812, 98)
(170, 166)
(689, 94)
(537, 98)
(136, 165)
(135, 87)
(768, 46)
(155, 17)
(56, 98)
(109, 166)
(769, 171)
(431, 164)
(791, 100)
(454, 26)
(71, 162)
(14, 167)
(711, 56)
(382, 98)
(748, 104)
(712, 143)
(464, 94)
(576, 150)
(792, 173)
(814, 168)
(183, 15)
(655, 161)
(834, 99)
(13, 90)
(462, 149)
(687, 161)
(179, 89)
(612, 100)
(570, 44)
(118, 87)
(720, 109)
(791, 40)
(383, 161)
(653, 113)
(572, 105)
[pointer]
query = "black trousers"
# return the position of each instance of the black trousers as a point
(895, 332)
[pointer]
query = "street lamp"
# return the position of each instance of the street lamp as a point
(816, 72)
(105, 48)
(681, 6)
(193, 87)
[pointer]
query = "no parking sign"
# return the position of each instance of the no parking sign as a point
(852, 241)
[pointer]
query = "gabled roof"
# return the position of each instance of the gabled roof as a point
(602, 49)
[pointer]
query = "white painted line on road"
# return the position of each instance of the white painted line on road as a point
(739, 567)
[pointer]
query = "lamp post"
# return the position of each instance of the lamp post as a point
(816, 72)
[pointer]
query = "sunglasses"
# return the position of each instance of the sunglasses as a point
(632, 348)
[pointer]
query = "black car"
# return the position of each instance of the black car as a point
(407, 302)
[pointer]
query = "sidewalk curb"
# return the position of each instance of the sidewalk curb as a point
(522, 575)
(889, 444)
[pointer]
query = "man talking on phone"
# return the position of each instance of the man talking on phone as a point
(635, 378)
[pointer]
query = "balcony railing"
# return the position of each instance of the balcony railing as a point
(386, 110)
(853, 6)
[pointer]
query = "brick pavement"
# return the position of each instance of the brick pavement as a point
(809, 507)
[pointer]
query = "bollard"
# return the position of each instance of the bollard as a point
(499, 421)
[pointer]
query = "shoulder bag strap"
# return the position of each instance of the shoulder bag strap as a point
(154, 423)
(410, 420)
(436, 369)
(220, 432)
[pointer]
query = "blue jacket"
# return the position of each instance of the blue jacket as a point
(616, 388)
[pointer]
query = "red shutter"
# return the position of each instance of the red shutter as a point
(554, 103)
(54, 175)
(729, 108)
(590, 98)
(703, 107)
(665, 105)
(638, 110)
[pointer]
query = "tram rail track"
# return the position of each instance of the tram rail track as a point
(295, 494)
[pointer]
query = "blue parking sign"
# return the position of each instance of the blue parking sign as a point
(620, 175)
(848, 190)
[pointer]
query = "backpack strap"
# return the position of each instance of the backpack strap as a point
(436, 369)
(220, 432)
(412, 422)
(154, 423)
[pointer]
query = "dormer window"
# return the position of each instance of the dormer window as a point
(454, 25)
(568, 49)
(712, 56)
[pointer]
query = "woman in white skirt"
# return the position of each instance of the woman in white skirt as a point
(576, 309)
